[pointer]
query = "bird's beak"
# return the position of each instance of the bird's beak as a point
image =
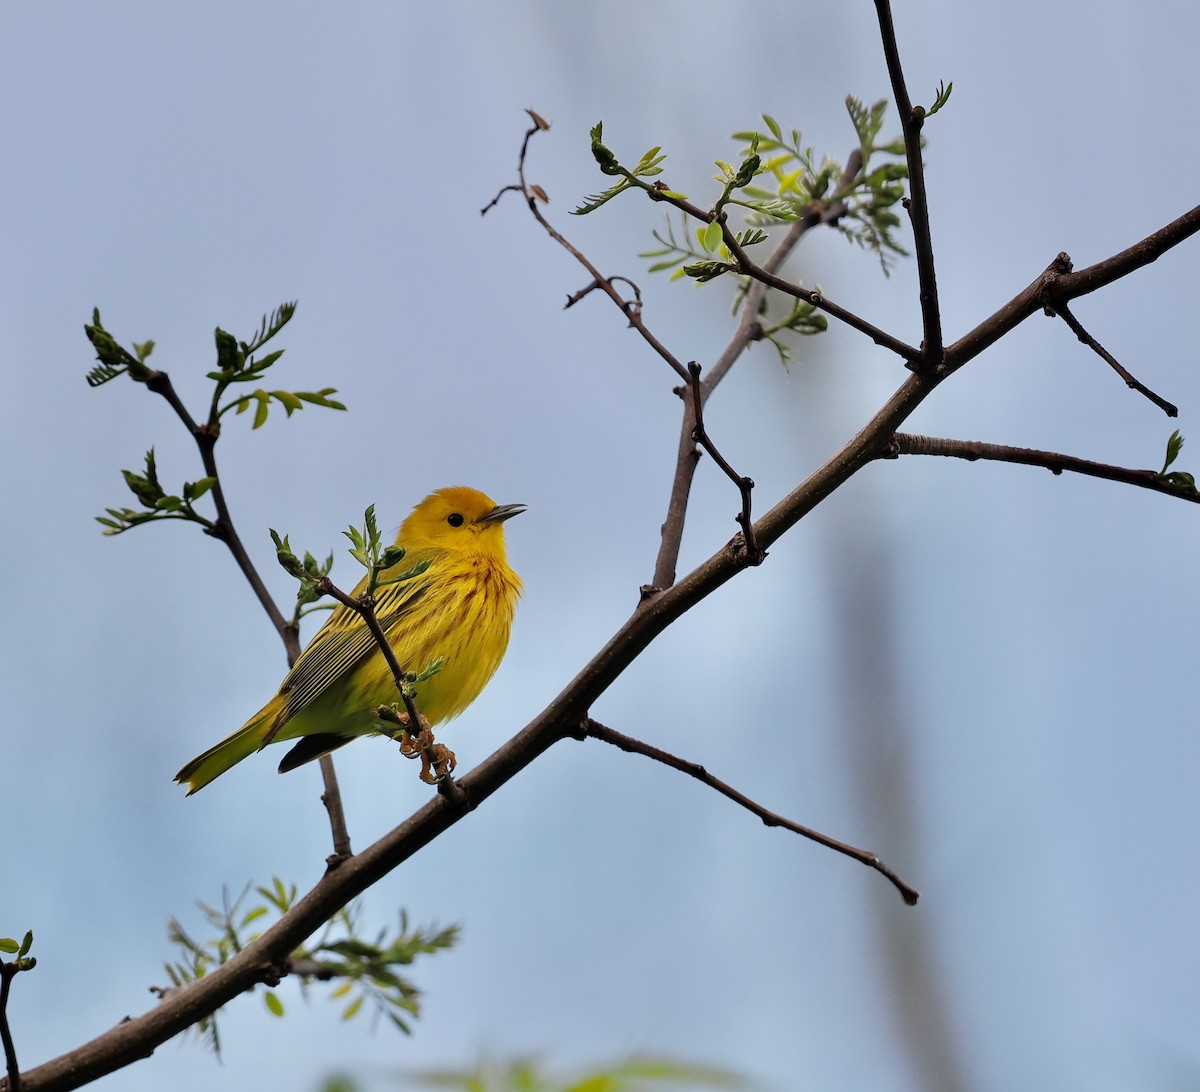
(502, 512)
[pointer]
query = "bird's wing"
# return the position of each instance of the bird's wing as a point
(343, 641)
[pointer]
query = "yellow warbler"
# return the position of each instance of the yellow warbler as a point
(460, 610)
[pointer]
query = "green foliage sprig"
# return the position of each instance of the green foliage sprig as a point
(648, 166)
(368, 970)
(1181, 479)
(802, 184)
(159, 504)
(24, 961)
(236, 363)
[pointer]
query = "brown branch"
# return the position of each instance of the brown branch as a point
(206, 437)
(912, 119)
(437, 761)
(908, 444)
(133, 1039)
(745, 485)
(1077, 327)
(605, 284)
(749, 329)
(595, 730)
(747, 267)
(8, 971)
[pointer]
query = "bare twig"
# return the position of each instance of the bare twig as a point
(600, 281)
(595, 730)
(903, 443)
(912, 119)
(745, 485)
(1077, 327)
(8, 971)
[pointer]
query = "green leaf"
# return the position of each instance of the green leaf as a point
(351, 1010)
(229, 357)
(590, 204)
(260, 414)
(270, 326)
(195, 490)
(710, 236)
(8, 945)
(707, 271)
(773, 125)
(321, 398)
(942, 97)
(1174, 447)
(274, 1005)
(289, 401)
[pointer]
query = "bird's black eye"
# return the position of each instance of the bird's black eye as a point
(455, 519)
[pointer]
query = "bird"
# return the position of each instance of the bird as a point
(459, 610)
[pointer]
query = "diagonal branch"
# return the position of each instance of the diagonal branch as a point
(133, 1039)
(908, 444)
(595, 730)
(533, 195)
(1133, 384)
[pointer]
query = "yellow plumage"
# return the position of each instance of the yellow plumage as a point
(460, 609)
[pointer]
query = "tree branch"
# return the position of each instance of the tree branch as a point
(745, 485)
(908, 444)
(913, 119)
(206, 437)
(1077, 328)
(595, 730)
(7, 972)
(437, 760)
(133, 1039)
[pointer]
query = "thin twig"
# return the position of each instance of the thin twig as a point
(745, 485)
(595, 730)
(8, 971)
(912, 119)
(903, 443)
(749, 329)
(604, 283)
(435, 757)
(1077, 327)
(749, 268)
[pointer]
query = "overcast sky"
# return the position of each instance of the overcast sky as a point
(985, 673)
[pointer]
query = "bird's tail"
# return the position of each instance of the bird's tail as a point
(230, 751)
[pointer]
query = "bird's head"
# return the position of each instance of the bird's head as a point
(458, 518)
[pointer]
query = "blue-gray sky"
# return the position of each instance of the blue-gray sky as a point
(986, 673)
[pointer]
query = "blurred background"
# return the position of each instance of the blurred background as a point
(985, 673)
